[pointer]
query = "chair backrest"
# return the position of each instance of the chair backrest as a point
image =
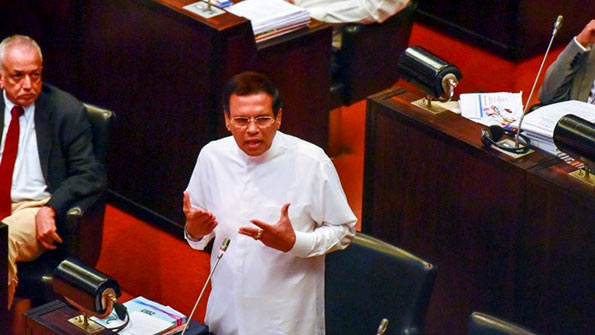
(372, 280)
(101, 122)
(484, 324)
(87, 239)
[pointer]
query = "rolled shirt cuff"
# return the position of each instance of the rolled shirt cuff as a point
(303, 244)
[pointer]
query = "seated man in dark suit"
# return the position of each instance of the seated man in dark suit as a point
(46, 155)
(572, 75)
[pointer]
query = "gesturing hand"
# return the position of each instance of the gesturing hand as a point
(198, 221)
(45, 224)
(587, 36)
(280, 236)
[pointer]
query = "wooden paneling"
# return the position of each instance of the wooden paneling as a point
(556, 270)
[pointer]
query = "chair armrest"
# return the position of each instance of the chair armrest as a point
(83, 231)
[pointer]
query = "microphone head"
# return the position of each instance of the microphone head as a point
(225, 244)
(223, 247)
(558, 23)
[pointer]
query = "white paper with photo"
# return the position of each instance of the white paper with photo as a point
(501, 108)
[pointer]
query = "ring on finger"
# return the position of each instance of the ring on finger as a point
(258, 234)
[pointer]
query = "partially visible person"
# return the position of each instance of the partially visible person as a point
(280, 202)
(46, 155)
(352, 11)
(572, 75)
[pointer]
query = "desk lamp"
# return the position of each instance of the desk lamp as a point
(91, 292)
(431, 74)
(576, 137)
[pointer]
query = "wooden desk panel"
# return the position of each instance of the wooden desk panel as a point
(557, 253)
(305, 68)
(431, 188)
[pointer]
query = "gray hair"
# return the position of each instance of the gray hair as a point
(20, 40)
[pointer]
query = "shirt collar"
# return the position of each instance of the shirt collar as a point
(8, 105)
(273, 151)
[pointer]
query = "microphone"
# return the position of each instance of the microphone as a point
(222, 251)
(557, 26)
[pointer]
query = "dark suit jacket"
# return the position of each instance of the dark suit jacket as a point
(570, 77)
(64, 140)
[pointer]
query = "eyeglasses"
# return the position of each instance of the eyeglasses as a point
(262, 121)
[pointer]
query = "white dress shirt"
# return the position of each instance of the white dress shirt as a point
(257, 289)
(28, 182)
(345, 11)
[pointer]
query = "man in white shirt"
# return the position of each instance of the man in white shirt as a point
(280, 202)
(572, 75)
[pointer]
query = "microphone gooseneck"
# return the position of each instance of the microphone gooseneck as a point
(557, 26)
(222, 251)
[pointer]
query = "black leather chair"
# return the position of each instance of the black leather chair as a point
(367, 61)
(82, 230)
(484, 324)
(372, 280)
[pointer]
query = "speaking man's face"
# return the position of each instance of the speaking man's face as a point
(252, 122)
(20, 74)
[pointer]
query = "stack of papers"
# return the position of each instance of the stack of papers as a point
(490, 109)
(147, 317)
(271, 18)
(539, 125)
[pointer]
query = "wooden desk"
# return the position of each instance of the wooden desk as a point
(52, 319)
(162, 70)
(431, 188)
(557, 253)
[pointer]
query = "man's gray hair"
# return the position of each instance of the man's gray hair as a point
(21, 40)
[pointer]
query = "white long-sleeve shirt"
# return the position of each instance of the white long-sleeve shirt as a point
(257, 289)
(346, 11)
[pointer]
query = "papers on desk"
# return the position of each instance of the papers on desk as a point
(539, 125)
(146, 317)
(270, 18)
(502, 108)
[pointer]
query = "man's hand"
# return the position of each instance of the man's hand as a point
(198, 221)
(587, 36)
(280, 236)
(45, 222)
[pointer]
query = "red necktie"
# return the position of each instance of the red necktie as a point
(9, 156)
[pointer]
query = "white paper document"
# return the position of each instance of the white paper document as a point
(144, 324)
(539, 125)
(501, 108)
(270, 15)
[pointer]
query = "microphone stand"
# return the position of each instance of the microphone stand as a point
(557, 26)
(222, 250)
